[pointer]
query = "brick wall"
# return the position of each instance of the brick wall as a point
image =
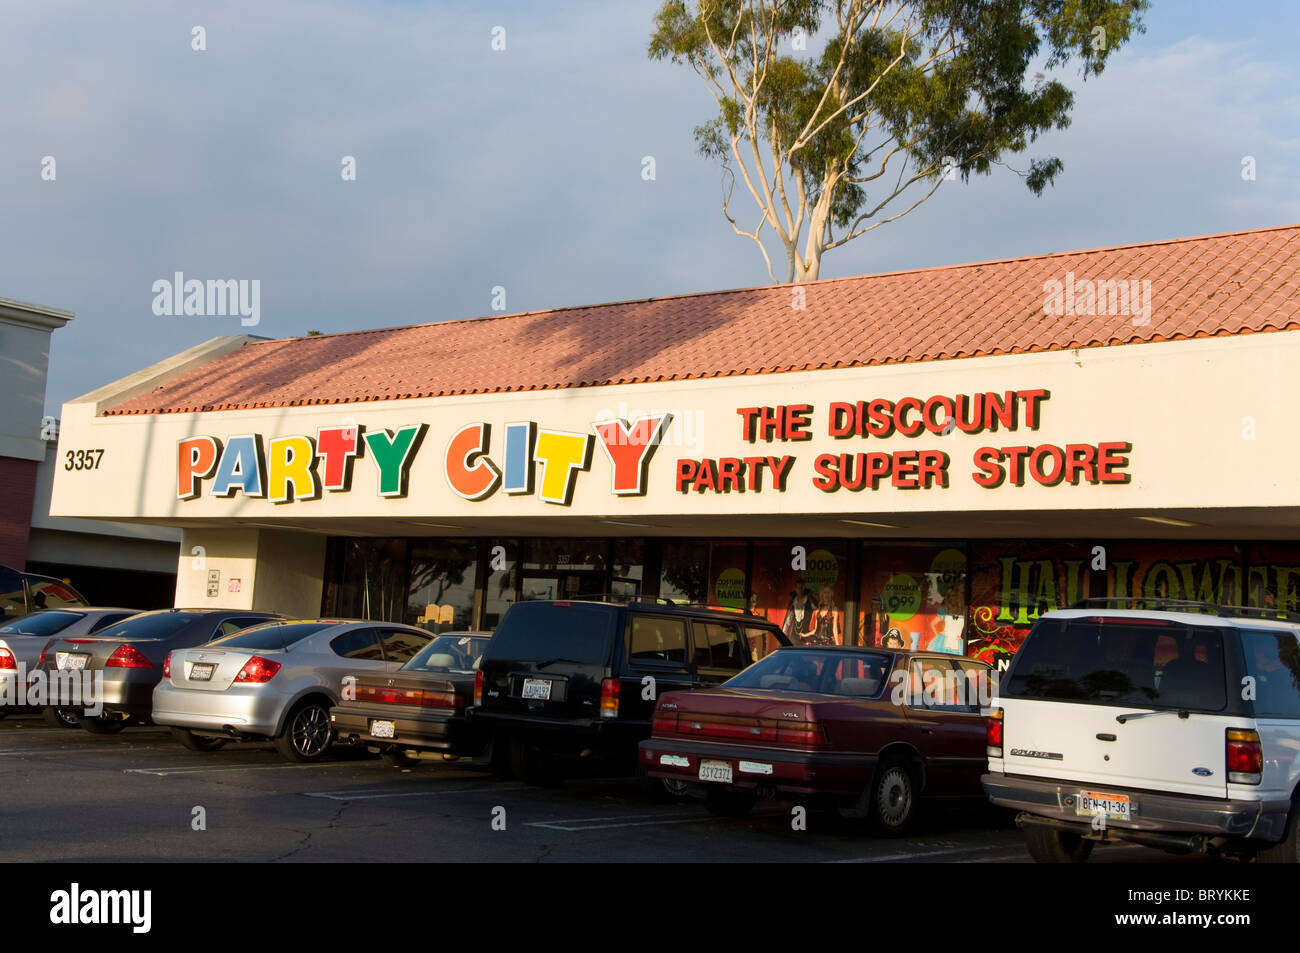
(17, 489)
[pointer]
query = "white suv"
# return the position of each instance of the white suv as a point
(1175, 727)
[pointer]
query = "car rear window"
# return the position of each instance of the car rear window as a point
(149, 626)
(42, 623)
(856, 675)
(1151, 663)
(273, 635)
(1273, 664)
(541, 631)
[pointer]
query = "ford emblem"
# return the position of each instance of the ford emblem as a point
(1202, 772)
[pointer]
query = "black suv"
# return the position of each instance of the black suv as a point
(566, 686)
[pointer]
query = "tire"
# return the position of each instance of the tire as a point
(1287, 850)
(1048, 846)
(101, 725)
(61, 717)
(306, 734)
(532, 766)
(498, 758)
(662, 790)
(721, 802)
(891, 803)
(197, 742)
(398, 758)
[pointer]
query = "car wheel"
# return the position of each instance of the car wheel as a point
(532, 766)
(197, 742)
(724, 803)
(61, 717)
(102, 724)
(1048, 846)
(1287, 850)
(306, 734)
(662, 790)
(892, 806)
(398, 757)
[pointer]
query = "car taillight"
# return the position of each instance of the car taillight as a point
(478, 689)
(7, 659)
(665, 723)
(800, 733)
(167, 666)
(1245, 756)
(127, 656)
(609, 698)
(993, 732)
(258, 670)
(425, 698)
(44, 657)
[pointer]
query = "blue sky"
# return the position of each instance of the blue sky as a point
(522, 168)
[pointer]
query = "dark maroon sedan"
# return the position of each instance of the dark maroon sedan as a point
(868, 729)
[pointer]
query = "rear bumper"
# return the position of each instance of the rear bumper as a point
(798, 772)
(248, 710)
(438, 732)
(119, 690)
(604, 738)
(1152, 812)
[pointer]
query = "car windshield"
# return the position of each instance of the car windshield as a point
(271, 635)
(1150, 663)
(149, 626)
(42, 623)
(449, 653)
(855, 674)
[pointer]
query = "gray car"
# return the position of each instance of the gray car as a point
(276, 681)
(21, 643)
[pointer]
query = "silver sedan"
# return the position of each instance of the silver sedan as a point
(21, 643)
(275, 681)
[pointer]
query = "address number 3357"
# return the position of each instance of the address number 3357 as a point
(83, 459)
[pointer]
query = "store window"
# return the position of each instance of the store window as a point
(501, 584)
(800, 585)
(914, 597)
(371, 579)
(565, 569)
(440, 593)
(727, 582)
(684, 573)
(626, 568)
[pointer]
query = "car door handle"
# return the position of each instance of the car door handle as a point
(927, 731)
(1105, 736)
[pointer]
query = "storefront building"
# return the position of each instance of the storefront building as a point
(934, 457)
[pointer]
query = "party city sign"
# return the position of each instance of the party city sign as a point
(526, 458)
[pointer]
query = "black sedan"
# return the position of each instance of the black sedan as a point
(419, 710)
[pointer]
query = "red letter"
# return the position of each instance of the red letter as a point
(337, 446)
(908, 403)
(747, 415)
(630, 448)
(988, 472)
(685, 474)
(841, 420)
(826, 478)
(1111, 456)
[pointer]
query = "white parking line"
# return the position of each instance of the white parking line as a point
(202, 769)
(373, 795)
(625, 820)
(46, 749)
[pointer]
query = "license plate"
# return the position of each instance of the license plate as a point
(719, 771)
(1095, 804)
(537, 688)
(383, 729)
(202, 671)
(68, 661)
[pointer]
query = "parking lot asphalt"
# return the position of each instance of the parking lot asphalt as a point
(138, 795)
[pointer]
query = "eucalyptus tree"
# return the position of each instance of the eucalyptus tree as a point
(892, 100)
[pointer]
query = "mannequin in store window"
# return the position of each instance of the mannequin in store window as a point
(798, 620)
(949, 623)
(826, 620)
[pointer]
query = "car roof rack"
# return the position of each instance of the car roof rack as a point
(1158, 604)
(623, 598)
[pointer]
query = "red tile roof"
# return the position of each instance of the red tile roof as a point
(1235, 283)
